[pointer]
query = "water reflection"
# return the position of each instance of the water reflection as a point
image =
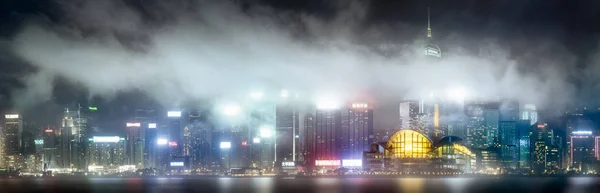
(303, 185)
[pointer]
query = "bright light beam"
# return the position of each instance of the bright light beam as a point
(327, 104)
(231, 110)
(256, 95)
(457, 94)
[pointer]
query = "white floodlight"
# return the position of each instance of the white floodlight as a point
(457, 94)
(582, 132)
(265, 132)
(231, 110)
(162, 141)
(225, 145)
(174, 114)
(327, 104)
(103, 139)
(151, 125)
(133, 124)
(176, 164)
(285, 93)
(256, 140)
(11, 116)
(256, 95)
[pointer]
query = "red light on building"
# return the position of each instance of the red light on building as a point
(541, 126)
(173, 144)
(244, 143)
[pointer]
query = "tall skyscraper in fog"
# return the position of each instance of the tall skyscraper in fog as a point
(583, 150)
(541, 141)
(10, 135)
(356, 134)
(409, 114)
(529, 113)
(51, 157)
(73, 139)
(287, 130)
(430, 49)
(475, 125)
(309, 138)
(327, 128)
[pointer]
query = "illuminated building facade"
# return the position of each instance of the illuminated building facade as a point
(475, 126)
(409, 114)
(11, 134)
(529, 113)
(491, 115)
(106, 151)
(451, 155)
(134, 144)
(72, 139)
(508, 145)
(356, 130)
(327, 128)
(145, 137)
(411, 152)
(524, 146)
(583, 151)
(11, 141)
(50, 148)
(287, 127)
(200, 133)
(310, 136)
(541, 141)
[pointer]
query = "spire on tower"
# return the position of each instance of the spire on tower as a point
(428, 24)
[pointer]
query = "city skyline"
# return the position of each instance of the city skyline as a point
(252, 88)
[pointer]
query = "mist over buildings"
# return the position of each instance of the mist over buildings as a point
(174, 51)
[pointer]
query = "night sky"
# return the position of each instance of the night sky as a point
(534, 33)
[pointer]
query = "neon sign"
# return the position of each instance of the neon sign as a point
(327, 162)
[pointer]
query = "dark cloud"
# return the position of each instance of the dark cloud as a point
(179, 50)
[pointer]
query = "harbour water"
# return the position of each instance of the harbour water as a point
(301, 185)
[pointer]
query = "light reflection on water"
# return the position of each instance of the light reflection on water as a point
(302, 185)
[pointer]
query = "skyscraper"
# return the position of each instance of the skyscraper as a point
(310, 138)
(11, 138)
(475, 125)
(13, 128)
(541, 141)
(287, 128)
(51, 157)
(106, 151)
(72, 139)
(327, 127)
(523, 129)
(583, 153)
(409, 112)
(430, 49)
(492, 119)
(529, 113)
(508, 144)
(356, 133)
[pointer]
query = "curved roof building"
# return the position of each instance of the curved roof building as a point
(408, 144)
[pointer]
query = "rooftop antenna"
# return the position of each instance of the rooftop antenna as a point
(428, 24)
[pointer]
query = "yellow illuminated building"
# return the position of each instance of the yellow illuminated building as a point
(408, 144)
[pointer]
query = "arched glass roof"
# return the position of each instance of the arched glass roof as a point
(408, 144)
